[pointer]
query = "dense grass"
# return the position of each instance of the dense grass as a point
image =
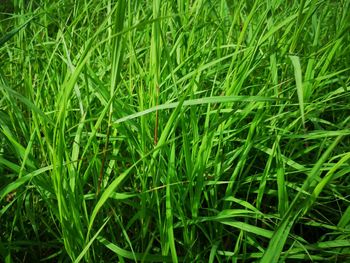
(180, 131)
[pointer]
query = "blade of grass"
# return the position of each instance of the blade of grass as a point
(299, 85)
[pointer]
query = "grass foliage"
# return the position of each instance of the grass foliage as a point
(174, 131)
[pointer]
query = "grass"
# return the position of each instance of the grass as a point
(174, 131)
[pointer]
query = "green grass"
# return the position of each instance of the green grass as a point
(174, 131)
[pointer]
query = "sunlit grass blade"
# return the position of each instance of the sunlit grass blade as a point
(201, 101)
(299, 85)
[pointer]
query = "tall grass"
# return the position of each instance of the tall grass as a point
(174, 131)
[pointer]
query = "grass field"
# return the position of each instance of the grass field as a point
(175, 131)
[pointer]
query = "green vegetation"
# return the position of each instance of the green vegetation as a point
(174, 131)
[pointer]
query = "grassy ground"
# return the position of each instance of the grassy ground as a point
(179, 131)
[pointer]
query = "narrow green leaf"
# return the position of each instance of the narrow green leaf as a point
(201, 101)
(86, 248)
(130, 255)
(299, 84)
(13, 32)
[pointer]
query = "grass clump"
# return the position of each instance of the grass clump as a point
(162, 131)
